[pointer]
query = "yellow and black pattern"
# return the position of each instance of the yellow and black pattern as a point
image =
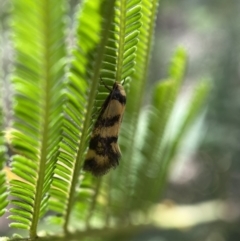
(104, 152)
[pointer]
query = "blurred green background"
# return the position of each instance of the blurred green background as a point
(210, 31)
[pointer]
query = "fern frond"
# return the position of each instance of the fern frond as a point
(143, 56)
(164, 97)
(168, 151)
(118, 63)
(127, 19)
(83, 83)
(157, 116)
(135, 99)
(120, 52)
(3, 184)
(38, 81)
(78, 84)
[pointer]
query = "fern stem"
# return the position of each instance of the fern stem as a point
(46, 90)
(120, 53)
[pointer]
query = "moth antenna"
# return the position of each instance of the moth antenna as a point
(105, 84)
(123, 82)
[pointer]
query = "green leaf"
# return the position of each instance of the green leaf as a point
(127, 24)
(120, 56)
(151, 135)
(156, 169)
(169, 150)
(126, 170)
(19, 225)
(38, 80)
(82, 87)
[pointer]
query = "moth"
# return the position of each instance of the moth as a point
(104, 152)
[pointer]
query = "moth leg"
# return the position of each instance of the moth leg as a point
(123, 82)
